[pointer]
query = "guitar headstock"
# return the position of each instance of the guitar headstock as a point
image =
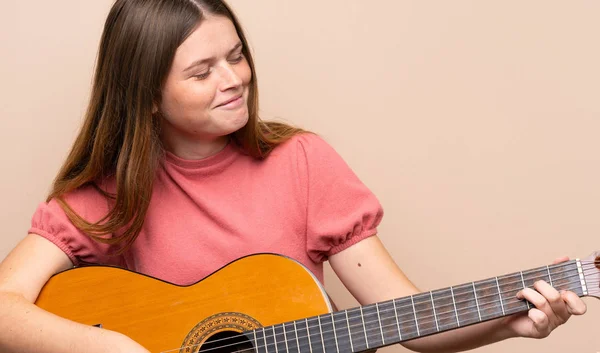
(591, 273)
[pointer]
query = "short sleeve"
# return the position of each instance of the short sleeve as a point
(51, 222)
(341, 210)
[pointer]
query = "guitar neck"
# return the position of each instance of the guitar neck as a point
(390, 322)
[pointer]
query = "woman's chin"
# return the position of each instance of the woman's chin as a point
(236, 123)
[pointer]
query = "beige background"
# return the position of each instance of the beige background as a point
(475, 122)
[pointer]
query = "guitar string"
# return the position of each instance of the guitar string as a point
(349, 310)
(375, 329)
(428, 301)
(324, 340)
(494, 286)
(584, 262)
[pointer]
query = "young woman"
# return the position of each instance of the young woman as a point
(174, 175)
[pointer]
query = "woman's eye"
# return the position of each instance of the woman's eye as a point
(237, 59)
(202, 76)
(234, 60)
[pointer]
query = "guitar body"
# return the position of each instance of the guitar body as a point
(254, 291)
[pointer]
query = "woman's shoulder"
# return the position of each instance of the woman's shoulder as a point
(309, 152)
(306, 142)
(91, 201)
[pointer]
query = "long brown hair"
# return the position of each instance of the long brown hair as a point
(119, 138)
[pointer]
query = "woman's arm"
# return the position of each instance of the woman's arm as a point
(25, 328)
(371, 275)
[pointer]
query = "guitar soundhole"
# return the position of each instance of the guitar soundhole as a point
(221, 333)
(227, 342)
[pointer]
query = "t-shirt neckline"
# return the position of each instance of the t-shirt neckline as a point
(221, 157)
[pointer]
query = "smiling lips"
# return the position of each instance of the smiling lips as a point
(232, 103)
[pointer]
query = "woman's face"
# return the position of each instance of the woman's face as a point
(205, 95)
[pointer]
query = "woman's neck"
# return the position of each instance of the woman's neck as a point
(195, 148)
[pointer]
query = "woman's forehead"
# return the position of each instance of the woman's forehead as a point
(213, 38)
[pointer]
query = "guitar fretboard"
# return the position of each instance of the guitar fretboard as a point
(390, 322)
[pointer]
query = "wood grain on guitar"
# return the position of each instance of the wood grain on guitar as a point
(270, 303)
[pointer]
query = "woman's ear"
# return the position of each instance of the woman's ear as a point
(154, 108)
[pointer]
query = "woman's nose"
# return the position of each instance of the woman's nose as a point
(229, 78)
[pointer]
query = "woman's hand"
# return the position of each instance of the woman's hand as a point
(552, 309)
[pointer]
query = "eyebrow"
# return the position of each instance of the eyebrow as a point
(202, 61)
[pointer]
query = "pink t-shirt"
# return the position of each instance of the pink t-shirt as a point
(303, 201)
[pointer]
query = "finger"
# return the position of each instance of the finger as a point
(540, 321)
(539, 301)
(575, 305)
(533, 297)
(560, 259)
(554, 299)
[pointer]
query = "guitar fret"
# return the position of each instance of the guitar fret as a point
(329, 335)
(437, 326)
(388, 323)
(549, 276)
(379, 320)
(424, 313)
(510, 285)
(373, 325)
(282, 345)
(476, 301)
(454, 303)
(287, 348)
(335, 339)
(357, 329)
(490, 301)
(303, 335)
(321, 333)
(340, 329)
(349, 333)
(364, 327)
(275, 339)
(444, 312)
(297, 341)
(415, 313)
(397, 321)
(523, 281)
(291, 345)
(259, 347)
(500, 295)
(265, 339)
(308, 335)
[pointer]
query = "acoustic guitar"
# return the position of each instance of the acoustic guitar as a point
(270, 303)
